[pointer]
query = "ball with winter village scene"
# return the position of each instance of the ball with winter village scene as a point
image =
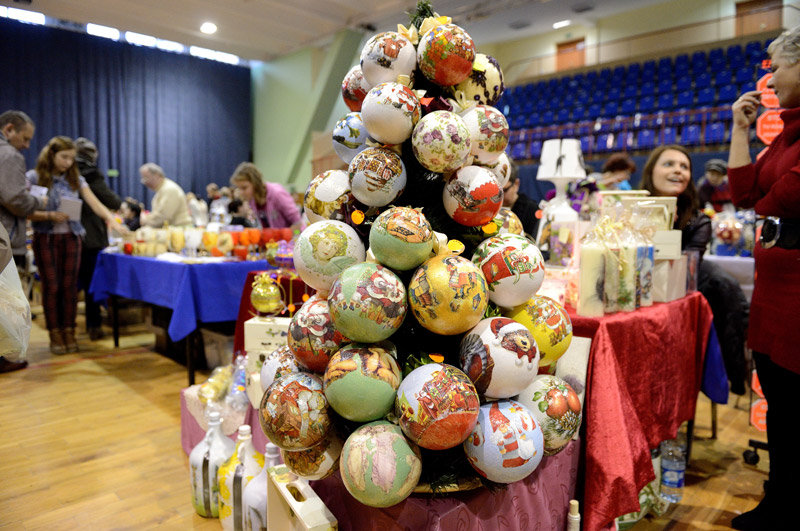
(294, 412)
(367, 302)
(354, 88)
(472, 196)
(557, 408)
(277, 363)
(445, 54)
(501, 169)
(441, 142)
(349, 137)
(448, 294)
(513, 268)
(319, 461)
(401, 238)
(325, 249)
(507, 222)
(378, 465)
(500, 356)
(488, 129)
(361, 382)
(550, 325)
(377, 176)
(437, 406)
(386, 56)
(327, 196)
(484, 85)
(312, 337)
(506, 444)
(390, 111)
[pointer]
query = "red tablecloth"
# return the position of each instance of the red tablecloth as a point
(644, 374)
(292, 285)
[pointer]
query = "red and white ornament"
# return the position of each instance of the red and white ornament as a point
(386, 56)
(445, 54)
(390, 111)
(354, 88)
(472, 196)
(488, 129)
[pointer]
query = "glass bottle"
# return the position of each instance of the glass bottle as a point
(255, 494)
(204, 462)
(234, 475)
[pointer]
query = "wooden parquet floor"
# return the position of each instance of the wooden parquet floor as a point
(92, 441)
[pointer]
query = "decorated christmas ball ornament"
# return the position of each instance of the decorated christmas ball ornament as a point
(448, 294)
(318, 462)
(361, 382)
(513, 268)
(507, 443)
(441, 142)
(507, 222)
(327, 196)
(472, 196)
(377, 176)
(729, 231)
(354, 88)
(401, 238)
(501, 169)
(367, 302)
(484, 85)
(500, 356)
(488, 129)
(277, 363)
(323, 250)
(390, 111)
(349, 137)
(294, 412)
(437, 406)
(557, 409)
(266, 296)
(386, 56)
(445, 55)
(550, 325)
(312, 337)
(379, 466)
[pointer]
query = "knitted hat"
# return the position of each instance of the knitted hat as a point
(717, 165)
(87, 151)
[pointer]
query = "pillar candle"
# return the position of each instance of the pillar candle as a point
(591, 279)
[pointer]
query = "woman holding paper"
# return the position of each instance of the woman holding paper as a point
(57, 237)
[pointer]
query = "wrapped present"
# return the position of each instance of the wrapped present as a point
(669, 279)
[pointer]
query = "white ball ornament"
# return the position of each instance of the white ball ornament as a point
(500, 356)
(513, 267)
(327, 196)
(488, 130)
(377, 176)
(501, 169)
(390, 111)
(354, 88)
(441, 142)
(324, 250)
(557, 408)
(349, 137)
(386, 56)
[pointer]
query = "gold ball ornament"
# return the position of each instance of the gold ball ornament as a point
(550, 325)
(267, 295)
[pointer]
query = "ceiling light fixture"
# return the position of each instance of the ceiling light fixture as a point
(23, 15)
(209, 28)
(102, 31)
(140, 39)
(561, 24)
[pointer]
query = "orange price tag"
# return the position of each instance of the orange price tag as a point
(755, 385)
(769, 125)
(758, 414)
(768, 97)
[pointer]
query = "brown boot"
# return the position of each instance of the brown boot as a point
(69, 340)
(57, 345)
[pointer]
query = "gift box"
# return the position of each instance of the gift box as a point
(265, 333)
(669, 279)
(668, 244)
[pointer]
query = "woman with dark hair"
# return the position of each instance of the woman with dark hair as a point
(771, 186)
(57, 238)
(272, 205)
(668, 172)
(616, 172)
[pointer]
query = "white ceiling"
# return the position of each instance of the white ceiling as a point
(266, 29)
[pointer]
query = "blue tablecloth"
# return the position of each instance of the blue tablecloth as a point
(195, 292)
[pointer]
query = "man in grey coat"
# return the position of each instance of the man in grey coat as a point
(16, 203)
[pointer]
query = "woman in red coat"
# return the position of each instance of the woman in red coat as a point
(772, 187)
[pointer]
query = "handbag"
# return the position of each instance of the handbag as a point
(15, 315)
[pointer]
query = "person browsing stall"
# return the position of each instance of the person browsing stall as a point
(272, 205)
(169, 205)
(520, 204)
(771, 186)
(714, 188)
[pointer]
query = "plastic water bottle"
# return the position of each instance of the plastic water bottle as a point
(673, 469)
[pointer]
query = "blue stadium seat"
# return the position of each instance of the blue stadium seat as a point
(604, 74)
(725, 114)
(705, 96)
(634, 68)
(753, 51)
(734, 50)
(747, 87)
(683, 83)
(535, 149)
(594, 111)
(701, 114)
(563, 116)
(585, 128)
(685, 99)
(591, 76)
(587, 143)
(664, 87)
(727, 94)
(646, 104)
(604, 142)
(551, 132)
(546, 118)
(612, 94)
(647, 89)
(665, 102)
(646, 139)
(668, 135)
(624, 141)
(619, 72)
(699, 57)
(620, 124)
(715, 133)
(579, 78)
(665, 63)
(630, 91)
(690, 135)
(518, 151)
(682, 60)
(533, 120)
(568, 131)
(681, 117)
(665, 74)
(723, 77)
(736, 61)
(702, 81)
(597, 96)
(611, 109)
(552, 84)
(716, 58)
(649, 65)
(628, 106)
(744, 74)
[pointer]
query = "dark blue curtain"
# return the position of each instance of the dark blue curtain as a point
(191, 116)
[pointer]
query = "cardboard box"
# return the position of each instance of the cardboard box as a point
(667, 244)
(669, 279)
(265, 333)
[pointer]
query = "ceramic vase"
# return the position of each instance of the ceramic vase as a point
(204, 462)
